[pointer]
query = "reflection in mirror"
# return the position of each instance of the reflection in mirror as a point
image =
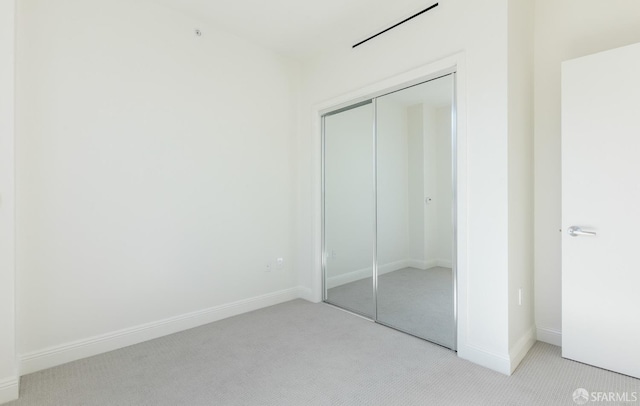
(349, 209)
(414, 211)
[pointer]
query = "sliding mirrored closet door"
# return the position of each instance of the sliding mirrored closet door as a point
(414, 211)
(349, 208)
(389, 209)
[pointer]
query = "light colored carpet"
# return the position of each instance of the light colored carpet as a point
(299, 353)
(355, 296)
(413, 300)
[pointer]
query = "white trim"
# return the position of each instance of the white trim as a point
(521, 348)
(412, 77)
(392, 266)
(503, 363)
(550, 336)
(444, 263)
(364, 273)
(421, 264)
(9, 389)
(61, 354)
(432, 263)
(488, 359)
(306, 294)
(349, 277)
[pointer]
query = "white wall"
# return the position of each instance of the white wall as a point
(520, 172)
(430, 163)
(393, 185)
(437, 186)
(154, 176)
(456, 25)
(564, 29)
(8, 364)
(443, 198)
(416, 241)
(349, 205)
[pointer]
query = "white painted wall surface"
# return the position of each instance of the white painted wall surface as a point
(431, 190)
(154, 171)
(437, 186)
(8, 360)
(442, 229)
(415, 181)
(456, 25)
(520, 173)
(565, 29)
(393, 185)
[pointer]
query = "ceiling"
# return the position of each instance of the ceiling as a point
(300, 28)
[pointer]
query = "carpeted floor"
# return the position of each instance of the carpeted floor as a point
(414, 300)
(299, 353)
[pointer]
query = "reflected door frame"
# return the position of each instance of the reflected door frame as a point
(453, 64)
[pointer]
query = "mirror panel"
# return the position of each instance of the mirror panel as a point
(349, 209)
(414, 211)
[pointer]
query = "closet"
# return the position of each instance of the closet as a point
(388, 209)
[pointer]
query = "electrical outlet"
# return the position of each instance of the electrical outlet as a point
(520, 297)
(269, 267)
(280, 263)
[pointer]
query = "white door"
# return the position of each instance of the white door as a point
(601, 195)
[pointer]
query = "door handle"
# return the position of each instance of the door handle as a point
(576, 231)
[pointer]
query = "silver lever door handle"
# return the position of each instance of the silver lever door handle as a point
(576, 231)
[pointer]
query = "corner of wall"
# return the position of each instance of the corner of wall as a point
(519, 350)
(497, 362)
(504, 363)
(306, 293)
(9, 389)
(522, 332)
(549, 336)
(9, 380)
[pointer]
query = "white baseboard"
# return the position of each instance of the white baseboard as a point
(392, 266)
(348, 277)
(521, 348)
(307, 294)
(9, 389)
(420, 264)
(550, 336)
(497, 362)
(505, 364)
(444, 263)
(432, 263)
(58, 355)
(364, 273)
